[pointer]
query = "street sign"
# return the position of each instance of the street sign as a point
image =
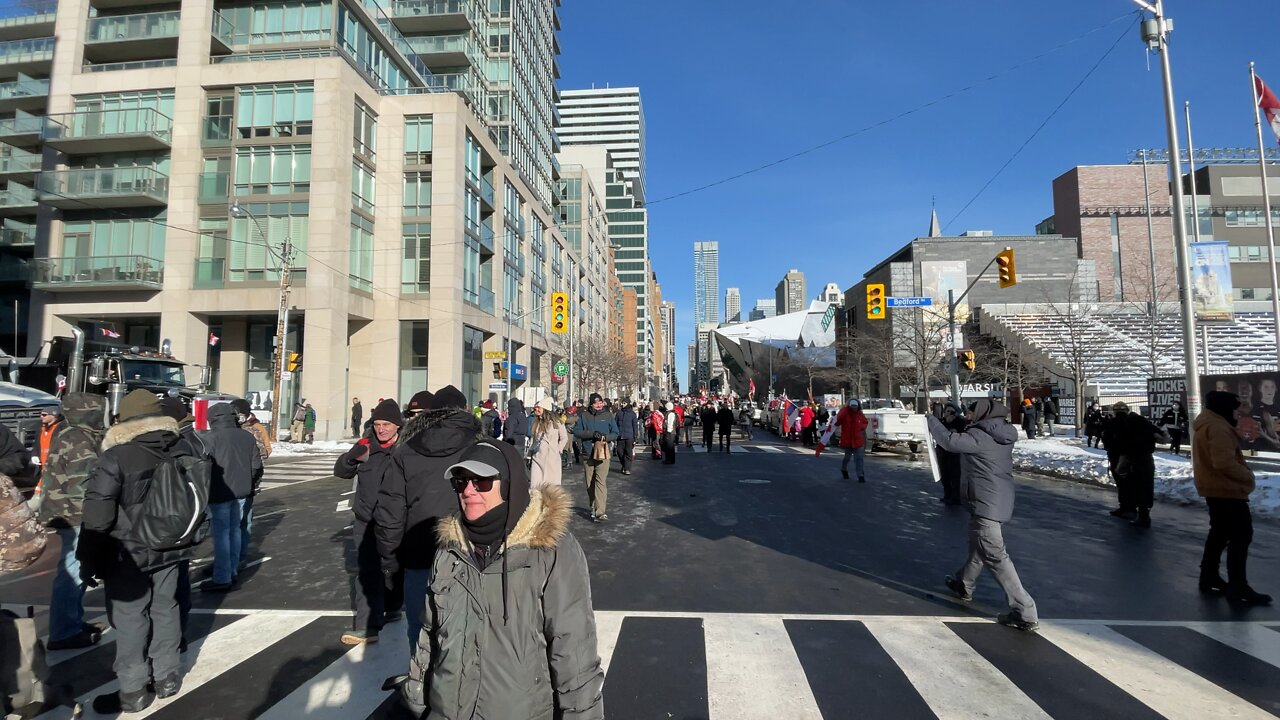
(286, 375)
(497, 386)
(910, 301)
(495, 355)
(561, 367)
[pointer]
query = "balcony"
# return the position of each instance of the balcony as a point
(107, 272)
(222, 36)
(17, 199)
(515, 261)
(24, 131)
(15, 272)
(211, 273)
(98, 131)
(419, 16)
(130, 65)
(28, 19)
(447, 50)
(486, 300)
(19, 165)
(482, 186)
(119, 38)
(104, 188)
(33, 55)
(23, 94)
(14, 235)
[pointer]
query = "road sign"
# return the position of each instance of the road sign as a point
(910, 301)
(286, 375)
(561, 367)
(495, 355)
(497, 386)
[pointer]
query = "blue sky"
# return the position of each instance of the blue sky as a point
(731, 85)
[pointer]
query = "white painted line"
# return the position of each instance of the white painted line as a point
(1249, 638)
(955, 681)
(1164, 686)
(53, 657)
(259, 516)
(349, 492)
(244, 567)
(770, 448)
(298, 482)
(753, 672)
(351, 687)
(608, 625)
(343, 506)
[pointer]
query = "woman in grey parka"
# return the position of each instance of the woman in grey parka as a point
(508, 628)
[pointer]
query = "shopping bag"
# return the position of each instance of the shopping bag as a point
(600, 451)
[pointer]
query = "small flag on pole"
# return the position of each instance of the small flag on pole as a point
(751, 388)
(110, 333)
(213, 340)
(1269, 104)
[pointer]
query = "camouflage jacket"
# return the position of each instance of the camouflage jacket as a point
(73, 456)
(21, 537)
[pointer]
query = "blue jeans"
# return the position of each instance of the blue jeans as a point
(225, 519)
(858, 455)
(66, 602)
(246, 527)
(416, 581)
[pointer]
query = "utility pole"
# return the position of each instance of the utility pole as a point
(1266, 208)
(1195, 226)
(282, 315)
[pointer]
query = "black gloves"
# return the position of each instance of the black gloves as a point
(597, 436)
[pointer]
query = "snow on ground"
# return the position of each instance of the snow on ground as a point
(1068, 457)
(320, 447)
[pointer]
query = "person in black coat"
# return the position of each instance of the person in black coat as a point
(367, 461)
(1174, 422)
(628, 432)
(725, 419)
(707, 417)
(515, 430)
(1093, 425)
(357, 416)
(415, 494)
(237, 471)
(1131, 440)
(949, 463)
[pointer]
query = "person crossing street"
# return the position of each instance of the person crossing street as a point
(596, 428)
(628, 432)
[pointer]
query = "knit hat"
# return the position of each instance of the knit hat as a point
(546, 404)
(139, 403)
(594, 397)
(173, 407)
(421, 400)
(389, 411)
(487, 404)
(448, 397)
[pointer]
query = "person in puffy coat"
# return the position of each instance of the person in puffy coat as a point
(1093, 421)
(515, 430)
(986, 476)
(725, 420)
(853, 438)
(237, 471)
(549, 441)
(367, 462)
(510, 631)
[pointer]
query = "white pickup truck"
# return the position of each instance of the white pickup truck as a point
(890, 423)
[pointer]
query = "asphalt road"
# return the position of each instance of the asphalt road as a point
(759, 583)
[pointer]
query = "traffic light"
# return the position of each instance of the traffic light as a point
(295, 362)
(497, 371)
(1008, 271)
(875, 301)
(967, 359)
(559, 313)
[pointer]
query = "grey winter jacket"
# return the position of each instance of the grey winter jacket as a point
(543, 662)
(986, 467)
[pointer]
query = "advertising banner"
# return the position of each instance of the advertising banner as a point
(936, 278)
(1211, 281)
(1259, 412)
(1162, 393)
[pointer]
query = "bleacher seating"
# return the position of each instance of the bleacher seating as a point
(1124, 350)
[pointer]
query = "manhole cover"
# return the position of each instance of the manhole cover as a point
(754, 481)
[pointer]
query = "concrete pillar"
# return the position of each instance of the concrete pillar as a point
(233, 373)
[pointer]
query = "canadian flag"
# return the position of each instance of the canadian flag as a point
(751, 388)
(1269, 104)
(213, 340)
(110, 333)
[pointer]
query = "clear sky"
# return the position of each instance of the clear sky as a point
(730, 85)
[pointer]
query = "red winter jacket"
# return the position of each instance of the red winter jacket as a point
(853, 427)
(806, 416)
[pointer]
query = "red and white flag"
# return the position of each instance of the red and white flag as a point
(1269, 104)
(213, 340)
(110, 333)
(751, 388)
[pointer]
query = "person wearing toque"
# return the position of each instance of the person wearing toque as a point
(595, 429)
(509, 630)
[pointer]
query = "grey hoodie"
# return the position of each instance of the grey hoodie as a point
(986, 470)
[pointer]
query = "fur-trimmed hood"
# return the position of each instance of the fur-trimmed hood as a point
(542, 525)
(458, 426)
(131, 429)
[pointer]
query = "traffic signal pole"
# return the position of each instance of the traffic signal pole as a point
(953, 301)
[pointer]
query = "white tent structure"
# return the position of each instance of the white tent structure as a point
(753, 348)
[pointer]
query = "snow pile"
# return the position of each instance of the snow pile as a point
(1070, 458)
(320, 447)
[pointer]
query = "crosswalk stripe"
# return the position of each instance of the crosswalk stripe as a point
(608, 625)
(1164, 686)
(351, 687)
(952, 677)
(769, 448)
(753, 671)
(1255, 640)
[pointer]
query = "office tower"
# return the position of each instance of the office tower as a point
(732, 305)
(791, 295)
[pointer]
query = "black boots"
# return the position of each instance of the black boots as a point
(1143, 520)
(1245, 595)
(1212, 584)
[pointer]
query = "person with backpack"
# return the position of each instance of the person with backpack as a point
(491, 420)
(144, 513)
(297, 430)
(73, 456)
(237, 470)
(515, 430)
(309, 424)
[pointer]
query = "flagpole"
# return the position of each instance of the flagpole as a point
(1195, 215)
(1266, 209)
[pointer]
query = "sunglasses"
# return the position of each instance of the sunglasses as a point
(483, 485)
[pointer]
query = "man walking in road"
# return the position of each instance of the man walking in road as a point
(357, 416)
(986, 450)
(708, 419)
(670, 433)
(853, 438)
(725, 419)
(237, 470)
(1225, 483)
(596, 428)
(628, 431)
(297, 429)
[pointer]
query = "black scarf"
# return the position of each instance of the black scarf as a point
(486, 532)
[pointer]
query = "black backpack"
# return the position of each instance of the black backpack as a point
(173, 513)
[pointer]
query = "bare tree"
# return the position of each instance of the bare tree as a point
(1159, 337)
(1075, 322)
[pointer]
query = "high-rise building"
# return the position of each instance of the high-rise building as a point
(765, 308)
(706, 282)
(732, 305)
(612, 118)
(791, 295)
(668, 331)
(693, 368)
(832, 294)
(417, 203)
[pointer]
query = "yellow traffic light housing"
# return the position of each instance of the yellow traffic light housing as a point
(295, 362)
(559, 313)
(497, 371)
(1007, 269)
(967, 359)
(875, 301)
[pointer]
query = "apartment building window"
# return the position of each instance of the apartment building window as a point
(360, 265)
(1250, 218)
(417, 193)
(366, 132)
(415, 265)
(362, 186)
(472, 363)
(252, 257)
(358, 43)
(114, 237)
(415, 339)
(470, 271)
(279, 23)
(1246, 253)
(145, 111)
(283, 110)
(471, 158)
(273, 170)
(417, 140)
(219, 113)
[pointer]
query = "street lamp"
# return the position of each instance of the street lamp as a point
(282, 314)
(1155, 32)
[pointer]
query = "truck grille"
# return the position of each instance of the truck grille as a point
(24, 423)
